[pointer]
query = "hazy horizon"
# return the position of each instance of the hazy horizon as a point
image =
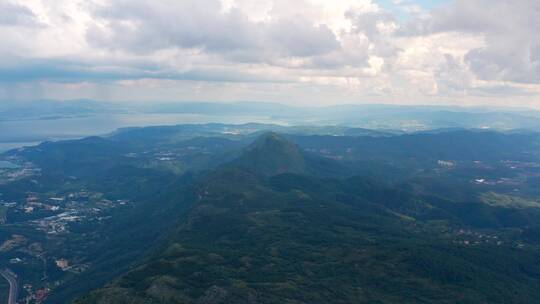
(280, 103)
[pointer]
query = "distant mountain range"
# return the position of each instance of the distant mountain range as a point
(404, 118)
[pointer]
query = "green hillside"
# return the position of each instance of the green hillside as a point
(260, 231)
(271, 154)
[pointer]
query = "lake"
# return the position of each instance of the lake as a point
(6, 146)
(7, 165)
(20, 133)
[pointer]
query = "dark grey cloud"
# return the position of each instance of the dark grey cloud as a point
(144, 27)
(78, 70)
(17, 15)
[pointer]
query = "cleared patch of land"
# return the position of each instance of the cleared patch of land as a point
(508, 201)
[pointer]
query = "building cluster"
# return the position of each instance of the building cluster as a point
(52, 214)
(37, 296)
(446, 163)
(16, 170)
(62, 264)
(471, 238)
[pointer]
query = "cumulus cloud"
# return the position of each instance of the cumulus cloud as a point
(463, 51)
(511, 49)
(142, 26)
(13, 14)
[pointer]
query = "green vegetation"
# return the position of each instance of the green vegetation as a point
(270, 155)
(3, 214)
(302, 239)
(217, 217)
(508, 201)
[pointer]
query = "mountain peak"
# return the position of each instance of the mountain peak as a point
(271, 154)
(270, 138)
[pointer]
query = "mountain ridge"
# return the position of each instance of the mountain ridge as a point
(271, 154)
(262, 230)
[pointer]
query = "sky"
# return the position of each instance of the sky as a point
(302, 52)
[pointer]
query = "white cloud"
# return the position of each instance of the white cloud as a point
(305, 51)
(146, 27)
(14, 14)
(508, 28)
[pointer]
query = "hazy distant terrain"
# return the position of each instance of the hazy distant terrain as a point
(24, 122)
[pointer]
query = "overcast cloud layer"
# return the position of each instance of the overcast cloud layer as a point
(309, 52)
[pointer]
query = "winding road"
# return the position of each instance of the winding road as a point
(13, 286)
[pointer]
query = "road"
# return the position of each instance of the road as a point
(13, 286)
